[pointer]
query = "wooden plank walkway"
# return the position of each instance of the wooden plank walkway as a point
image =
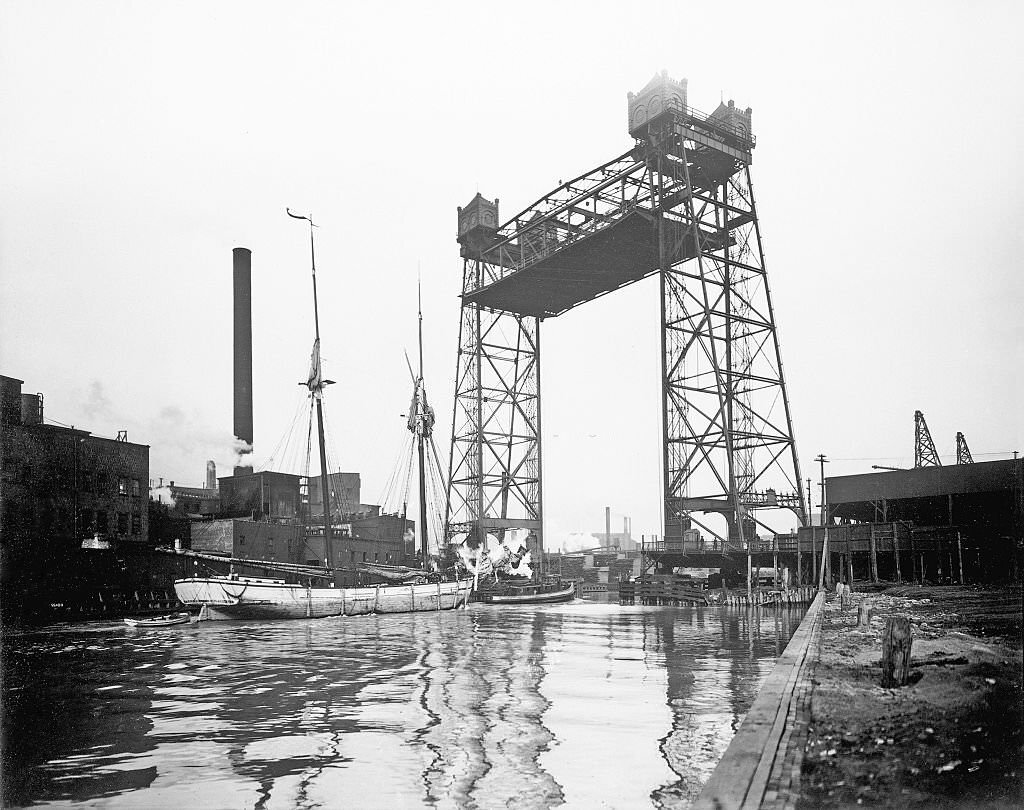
(761, 766)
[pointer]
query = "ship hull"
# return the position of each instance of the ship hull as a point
(241, 598)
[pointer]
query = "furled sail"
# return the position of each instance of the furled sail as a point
(315, 381)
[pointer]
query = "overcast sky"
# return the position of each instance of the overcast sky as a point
(141, 142)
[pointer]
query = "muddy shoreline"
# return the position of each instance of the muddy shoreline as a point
(951, 738)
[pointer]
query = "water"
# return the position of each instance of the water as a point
(587, 705)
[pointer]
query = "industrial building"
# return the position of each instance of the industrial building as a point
(73, 510)
(961, 523)
(938, 523)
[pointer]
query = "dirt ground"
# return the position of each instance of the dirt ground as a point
(953, 737)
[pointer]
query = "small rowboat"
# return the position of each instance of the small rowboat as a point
(159, 621)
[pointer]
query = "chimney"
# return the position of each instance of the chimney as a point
(607, 525)
(242, 266)
(211, 475)
(31, 409)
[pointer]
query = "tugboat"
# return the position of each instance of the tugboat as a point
(504, 576)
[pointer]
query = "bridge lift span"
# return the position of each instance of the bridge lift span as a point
(678, 204)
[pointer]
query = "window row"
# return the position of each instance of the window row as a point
(99, 521)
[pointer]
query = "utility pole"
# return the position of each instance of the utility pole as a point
(810, 517)
(824, 522)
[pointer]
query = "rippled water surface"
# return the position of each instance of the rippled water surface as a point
(587, 705)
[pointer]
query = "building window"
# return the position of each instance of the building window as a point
(352, 556)
(122, 523)
(135, 488)
(85, 521)
(101, 483)
(387, 556)
(123, 486)
(85, 480)
(376, 557)
(364, 556)
(241, 539)
(136, 525)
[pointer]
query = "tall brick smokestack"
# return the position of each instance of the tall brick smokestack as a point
(242, 265)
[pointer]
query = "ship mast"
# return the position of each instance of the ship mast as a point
(316, 384)
(420, 433)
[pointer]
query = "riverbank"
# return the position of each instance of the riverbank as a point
(952, 737)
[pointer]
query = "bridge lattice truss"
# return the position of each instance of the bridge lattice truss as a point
(679, 204)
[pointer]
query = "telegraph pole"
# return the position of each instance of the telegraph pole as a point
(824, 522)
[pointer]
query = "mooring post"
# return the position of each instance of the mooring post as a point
(960, 555)
(864, 613)
(896, 643)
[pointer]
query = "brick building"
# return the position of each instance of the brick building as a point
(59, 487)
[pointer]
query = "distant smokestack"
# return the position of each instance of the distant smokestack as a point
(607, 525)
(211, 475)
(242, 265)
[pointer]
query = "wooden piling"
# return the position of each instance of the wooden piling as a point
(799, 566)
(750, 595)
(814, 556)
(824, 559)
(896, 643)
(896, 553)
(960, 555)
(874, 556)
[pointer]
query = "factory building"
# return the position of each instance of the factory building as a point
(62, 485)
(73, 509)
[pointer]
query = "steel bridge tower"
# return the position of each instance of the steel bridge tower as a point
(679, 204)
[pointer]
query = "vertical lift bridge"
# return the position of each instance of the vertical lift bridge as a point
(678, 204)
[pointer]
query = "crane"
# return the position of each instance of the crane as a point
(963, 452)
(925, 454)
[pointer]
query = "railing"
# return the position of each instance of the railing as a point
(717, 125)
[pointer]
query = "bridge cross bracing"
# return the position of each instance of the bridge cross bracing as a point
(679, 204)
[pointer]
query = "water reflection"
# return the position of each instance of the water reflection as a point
(582, 704)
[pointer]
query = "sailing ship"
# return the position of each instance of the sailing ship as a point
(404, 589)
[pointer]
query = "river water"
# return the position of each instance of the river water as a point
(584, 705)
